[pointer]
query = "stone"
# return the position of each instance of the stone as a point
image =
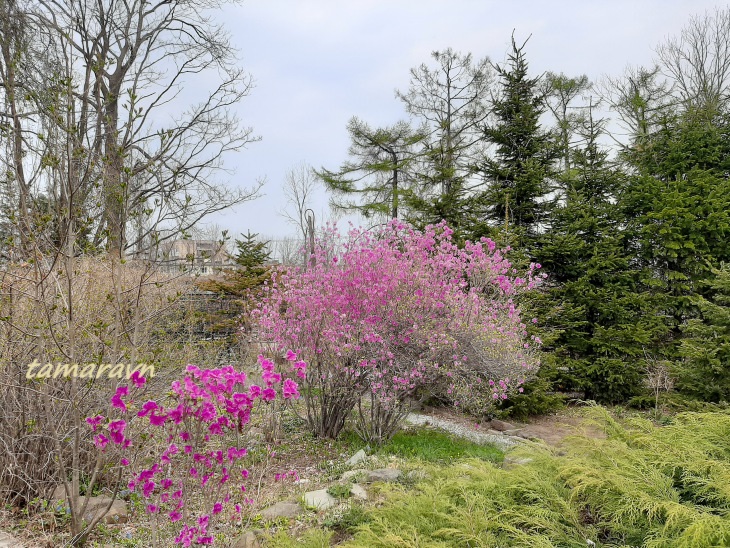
(321, 499)
(9, 541)
(358, 491)
(384, 475)
(282, 510)
(502, 426)
(357, 458)
(247, 540)
(347, 476)
(117, 512)
(513, 432)
(58, 495)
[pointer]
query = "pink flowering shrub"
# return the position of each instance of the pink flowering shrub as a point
(382, 317)
(201, 427)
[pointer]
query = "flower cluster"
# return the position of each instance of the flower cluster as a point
(200, 429)
(383, 314)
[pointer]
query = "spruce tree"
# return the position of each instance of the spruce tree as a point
(704, 371)
(518, 176)
(603, 320)
(239, 286)
(677, 207)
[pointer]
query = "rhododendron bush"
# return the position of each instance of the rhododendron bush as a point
(384, 316)
(199, 474)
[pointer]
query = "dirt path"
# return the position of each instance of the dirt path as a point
(552, 429)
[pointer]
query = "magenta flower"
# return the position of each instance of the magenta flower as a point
(94, 422)
(290, 390)
(117, 401)
(137, 379)
(101, 441)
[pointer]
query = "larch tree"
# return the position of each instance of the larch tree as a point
(452, 101)
(379, 172)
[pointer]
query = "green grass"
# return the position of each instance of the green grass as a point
(437, 446)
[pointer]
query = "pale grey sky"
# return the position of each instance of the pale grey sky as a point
(316, 63)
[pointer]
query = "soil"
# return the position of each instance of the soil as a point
(552, 429)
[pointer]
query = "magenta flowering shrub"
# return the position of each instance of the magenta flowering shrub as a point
(380, 316)
(201, 427)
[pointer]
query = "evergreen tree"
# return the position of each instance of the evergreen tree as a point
(704, 371)
(240, 285)
(518, 176)
(677, 207)
(603, 320)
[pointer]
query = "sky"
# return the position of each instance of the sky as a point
(317, 63)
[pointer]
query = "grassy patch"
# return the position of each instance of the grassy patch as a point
(437, 446)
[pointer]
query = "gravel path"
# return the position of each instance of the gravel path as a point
(503, 442)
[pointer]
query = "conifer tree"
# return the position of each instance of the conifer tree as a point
(677, 207)
(518, 176)
(241, 283)
(604, 320)
(705, 368)
(379, 172)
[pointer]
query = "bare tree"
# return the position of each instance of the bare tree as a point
(300, 183)
(452, 100)
(153, 160)
(698, 61)
(639, 98)
(561, 92)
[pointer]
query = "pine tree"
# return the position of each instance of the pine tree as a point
(518, 175)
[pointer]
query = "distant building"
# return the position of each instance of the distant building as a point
(193, 257)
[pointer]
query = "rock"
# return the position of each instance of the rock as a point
(58, 495)
(357, 458)
(281, 510)
(247, 540)
(321, 499)
(513, 432)
(347, 476)
(116, 514)
(383, 474)
(527, 435)
(9, 541)
(502, 426)
(358, 491)
(494, 432)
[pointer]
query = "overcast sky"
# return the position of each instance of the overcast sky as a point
(317, 63)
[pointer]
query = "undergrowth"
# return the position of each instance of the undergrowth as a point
(437, 446)
(648, 486)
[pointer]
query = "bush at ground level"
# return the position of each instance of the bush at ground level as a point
(643, 486)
